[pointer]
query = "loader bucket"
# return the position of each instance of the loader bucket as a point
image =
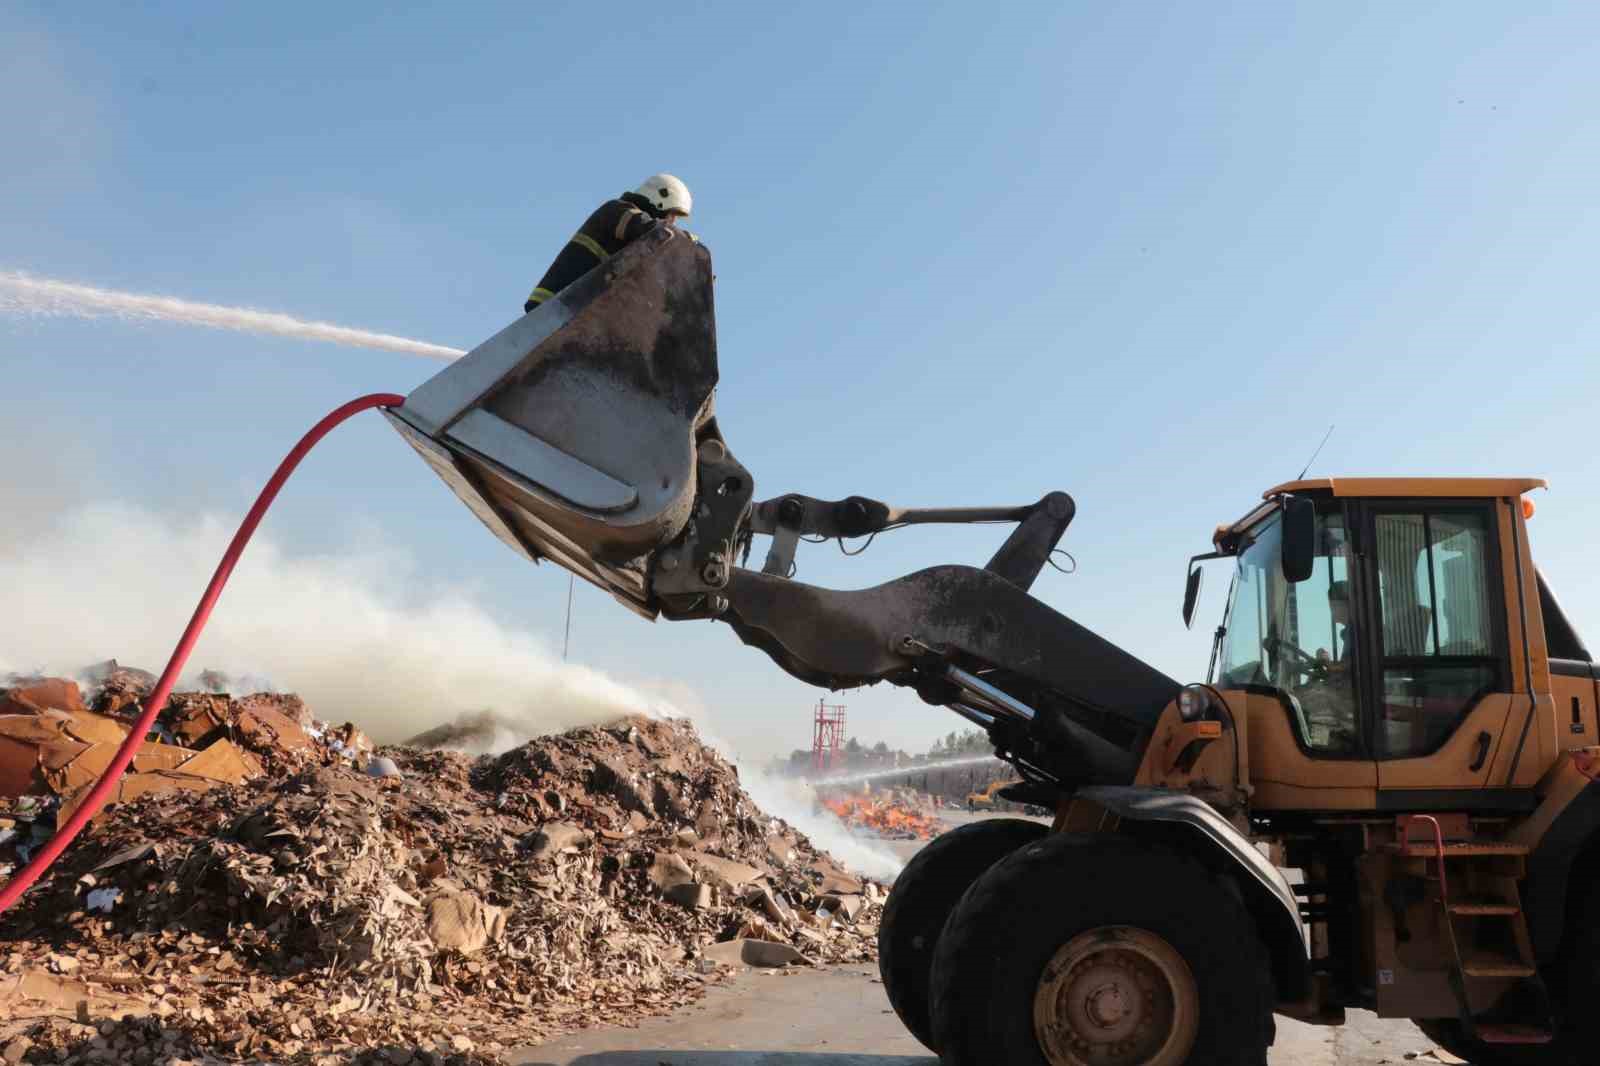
(572, 432)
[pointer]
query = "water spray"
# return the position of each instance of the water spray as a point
(23, 294)
(902, 771)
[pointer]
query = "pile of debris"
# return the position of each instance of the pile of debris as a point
(315, 913)
(54, 745)
(898, 814)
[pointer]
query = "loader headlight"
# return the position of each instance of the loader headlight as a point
(1193, 702)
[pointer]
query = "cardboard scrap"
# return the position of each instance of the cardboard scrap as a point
(36, 993)
(222, 762)
(19, 764)
(557, 838)
(724, 873)
(746, 952)
(53, 693)
(195, 717)
(262, 727)
(50, 743)
(668, 871)
(70, 767)
(691, 894)
(460, 921)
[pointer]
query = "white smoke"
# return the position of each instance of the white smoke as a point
(25, 295)
(102, 580)
(795, 802)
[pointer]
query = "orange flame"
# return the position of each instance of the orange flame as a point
(883, 816)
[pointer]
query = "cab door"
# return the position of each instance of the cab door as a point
(1439, 696)
(1293, 659)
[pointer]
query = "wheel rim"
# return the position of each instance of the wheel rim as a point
(1116, 996)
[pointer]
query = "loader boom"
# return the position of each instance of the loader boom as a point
(583, 433)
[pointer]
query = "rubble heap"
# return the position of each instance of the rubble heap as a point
(450, 908)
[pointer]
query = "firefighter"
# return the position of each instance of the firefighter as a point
(660, 201)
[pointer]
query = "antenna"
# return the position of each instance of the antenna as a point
(566, 642)
(1316, 453)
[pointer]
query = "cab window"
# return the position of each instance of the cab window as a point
(1296, 640)
(1437, 636)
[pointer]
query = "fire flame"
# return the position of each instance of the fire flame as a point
(884, 816)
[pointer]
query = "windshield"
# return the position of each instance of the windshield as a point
(1295, 639)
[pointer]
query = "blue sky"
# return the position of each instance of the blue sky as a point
(1145, 253)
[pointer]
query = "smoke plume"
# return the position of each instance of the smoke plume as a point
(102, 579)
(84, 578)
(105, 579)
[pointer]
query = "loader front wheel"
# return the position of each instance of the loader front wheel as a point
(1096, 950)
(922, 898)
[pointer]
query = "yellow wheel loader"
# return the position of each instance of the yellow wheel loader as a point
(983, 799)
(1382, 795)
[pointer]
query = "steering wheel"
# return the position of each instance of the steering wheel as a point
(1300, 660)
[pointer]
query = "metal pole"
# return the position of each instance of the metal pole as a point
(567, 641)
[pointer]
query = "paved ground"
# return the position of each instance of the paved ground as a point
(834, 1017)
(840, 1017)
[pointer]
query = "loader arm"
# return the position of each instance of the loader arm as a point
(583, 433)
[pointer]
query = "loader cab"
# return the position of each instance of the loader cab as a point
(1388, 676)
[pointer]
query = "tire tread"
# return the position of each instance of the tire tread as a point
(936, 878)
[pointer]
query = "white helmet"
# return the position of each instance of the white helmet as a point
(666, 193)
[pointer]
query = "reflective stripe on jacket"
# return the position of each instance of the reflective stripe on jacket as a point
(614, 225)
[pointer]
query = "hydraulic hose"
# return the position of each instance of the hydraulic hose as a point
(157, 699)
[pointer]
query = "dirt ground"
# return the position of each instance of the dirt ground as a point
(838, 1016)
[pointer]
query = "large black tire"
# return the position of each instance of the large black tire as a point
(1015, 931)
(922, 898)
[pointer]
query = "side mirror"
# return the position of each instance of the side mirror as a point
(1299, 537)
(1191, 594)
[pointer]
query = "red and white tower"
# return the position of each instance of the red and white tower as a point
(827, 742)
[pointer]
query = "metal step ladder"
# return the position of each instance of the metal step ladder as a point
(1485, 873)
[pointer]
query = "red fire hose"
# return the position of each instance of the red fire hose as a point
(169, 677)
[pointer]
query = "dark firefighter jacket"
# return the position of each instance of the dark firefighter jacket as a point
(614, 225)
